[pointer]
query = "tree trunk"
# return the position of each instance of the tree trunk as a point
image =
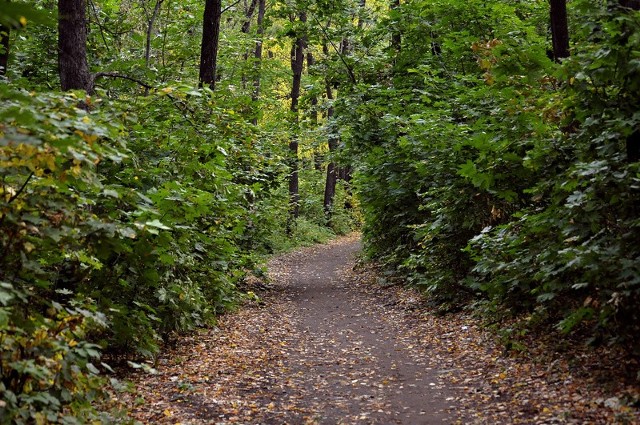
(5, 32)
(363, 4)
(246, 25)
(248, 15)
(317, 158)
(332, 171)
(559, 29)
(297, 65)
(72, 46)
(150, 22)
(633, 140)
(210, 43)
(631, 4)
(396, 38)
(258, 59)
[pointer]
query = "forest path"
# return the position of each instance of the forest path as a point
(327, 344)
(321, 349)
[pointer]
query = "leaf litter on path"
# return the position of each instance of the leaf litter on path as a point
(328, 345)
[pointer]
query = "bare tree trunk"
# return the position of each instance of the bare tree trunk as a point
(72, 46)
(396, 38)
(332, 171)
(363, 4)
(559, 29)
(297, 65)
(248, 15)
(633, 140)
(258, 59)
(151, 21)
(210, 42)
(5, 32)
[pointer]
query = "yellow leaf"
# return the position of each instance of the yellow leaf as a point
(40, 418)
(168, 413)
(23, 21)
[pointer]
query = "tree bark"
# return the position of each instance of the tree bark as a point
(5, 32)
(559, 29)
(150, 22)
(332, 171)
(396, 37)
(72, 46)
(317, 158)
(297, 65)
(633, 140)
(630, 4)
(210, 43)
(248, 15)
(258, 56)
(363, 4)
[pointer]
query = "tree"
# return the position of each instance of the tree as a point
(250, 10)
(332, 172)
(559, 29)
(72, 46)
(150, 22)
(633, 140)
(5, 32)
(396, 37)
(258, 54)
(297, 65)
(210, 42)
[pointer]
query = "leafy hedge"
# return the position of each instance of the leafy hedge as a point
(116, 238)
(488, 171)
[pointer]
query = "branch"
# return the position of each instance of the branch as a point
(175, 102)
(24, 185)
(95, 12)
(352, 76)
(229, 7)
(121, 76)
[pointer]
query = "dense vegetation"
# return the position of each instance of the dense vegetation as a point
(489, 172)
(490, 169)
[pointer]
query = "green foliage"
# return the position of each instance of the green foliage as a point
(130, 216)
(486, 171)
(116, 244)
(435, 162)
(574, 253)
(49, 153)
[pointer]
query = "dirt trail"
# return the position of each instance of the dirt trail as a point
(327, 345)
(319, 350)
(355, 365)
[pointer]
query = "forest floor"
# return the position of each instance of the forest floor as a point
(328, 344)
